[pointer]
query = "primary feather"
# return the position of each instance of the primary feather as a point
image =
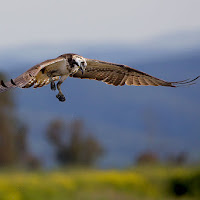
(119, 75)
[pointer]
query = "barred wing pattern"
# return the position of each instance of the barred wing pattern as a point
(120, 75)
(34, 76)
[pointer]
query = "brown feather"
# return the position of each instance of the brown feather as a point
(34, 75)
(142, 81)
(129, 81)
(136, 81)
(116, 74)
(150, 82)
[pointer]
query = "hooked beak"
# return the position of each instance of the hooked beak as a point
(82, 68)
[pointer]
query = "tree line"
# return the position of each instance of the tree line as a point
(72, 143)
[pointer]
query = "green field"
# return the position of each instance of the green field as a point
(85, 184)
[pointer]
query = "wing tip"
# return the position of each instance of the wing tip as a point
(11, 80)
(184, 83)
(3, 84)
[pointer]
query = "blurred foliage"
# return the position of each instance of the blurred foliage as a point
(13, 134)
(144, 183)
(73, 144)
(147, 157)
(152, 157)
(6, 100)
(185, 184)
(180, 158)
(12, 131)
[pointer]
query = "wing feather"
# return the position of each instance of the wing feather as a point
(35, 76)
(123, 80)
(110, 78)
(129, 81)
(118, 79)
(142, 81)
(116, 74)
(135, 81)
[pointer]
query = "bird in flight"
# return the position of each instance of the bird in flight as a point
(76, 66)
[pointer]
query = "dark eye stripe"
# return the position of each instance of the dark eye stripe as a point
(74, 62)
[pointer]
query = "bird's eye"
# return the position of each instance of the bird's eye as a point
(82, 63)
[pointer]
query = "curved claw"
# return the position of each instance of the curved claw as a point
(61, 97)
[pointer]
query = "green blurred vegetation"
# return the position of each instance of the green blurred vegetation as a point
(150, 182)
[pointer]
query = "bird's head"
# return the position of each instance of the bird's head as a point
(79, 63)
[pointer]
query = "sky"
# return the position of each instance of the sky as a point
(60, 21)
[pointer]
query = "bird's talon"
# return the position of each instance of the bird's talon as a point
(61, 97)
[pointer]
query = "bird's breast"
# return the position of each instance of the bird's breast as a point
(57, 70)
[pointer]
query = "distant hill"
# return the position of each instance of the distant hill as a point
(127, 120)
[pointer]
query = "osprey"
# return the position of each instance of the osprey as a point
(73, 65)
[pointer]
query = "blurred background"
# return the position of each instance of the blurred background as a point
(136, 131)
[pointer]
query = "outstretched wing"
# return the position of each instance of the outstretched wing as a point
(119, 75)
(37, 75)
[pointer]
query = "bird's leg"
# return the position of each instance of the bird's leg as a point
(60, 95)
(53, 85)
